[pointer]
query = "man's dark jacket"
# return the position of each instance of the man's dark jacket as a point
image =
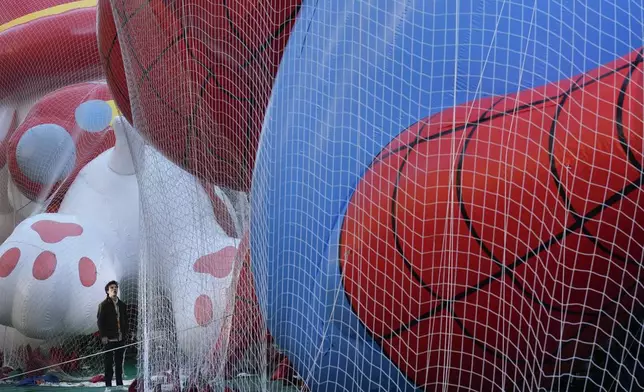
(106, 319)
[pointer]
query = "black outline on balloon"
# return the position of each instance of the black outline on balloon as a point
(578, 223)
(108, 68)
(124, 19)
(194, 131)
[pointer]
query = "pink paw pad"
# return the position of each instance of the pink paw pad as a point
(203, 310)
(218, 264)
(9, 261)
(87, 271)
(52, 232)
(44, 265)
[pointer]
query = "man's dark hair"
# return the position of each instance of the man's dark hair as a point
(111, 282)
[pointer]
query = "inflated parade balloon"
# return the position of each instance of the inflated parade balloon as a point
(61, 133)
(202, 74)
(47, 44)
(446, 193)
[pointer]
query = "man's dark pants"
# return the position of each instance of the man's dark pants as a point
(114, 357)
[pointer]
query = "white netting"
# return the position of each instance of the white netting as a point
(201, 321)
(56, 113)
(445, 194)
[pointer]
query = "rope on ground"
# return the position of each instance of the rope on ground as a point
(66, 362)
(158, 336)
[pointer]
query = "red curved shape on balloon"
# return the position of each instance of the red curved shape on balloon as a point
(46, 44)
(112, 59)
(506, 224)
(11, 127)
(203, 74)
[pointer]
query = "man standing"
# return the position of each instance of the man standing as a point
(113, 329)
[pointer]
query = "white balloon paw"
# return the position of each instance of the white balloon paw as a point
(52, 273)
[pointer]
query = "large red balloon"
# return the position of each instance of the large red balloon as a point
(202, 73)
(46, 44)
(502, 235)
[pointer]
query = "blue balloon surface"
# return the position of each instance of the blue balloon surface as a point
(46, 154)
(355, 74)
(94, 115)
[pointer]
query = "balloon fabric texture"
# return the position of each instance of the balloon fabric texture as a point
(402, 142)
(202, 73)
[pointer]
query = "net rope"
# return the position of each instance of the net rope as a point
(336, 195)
